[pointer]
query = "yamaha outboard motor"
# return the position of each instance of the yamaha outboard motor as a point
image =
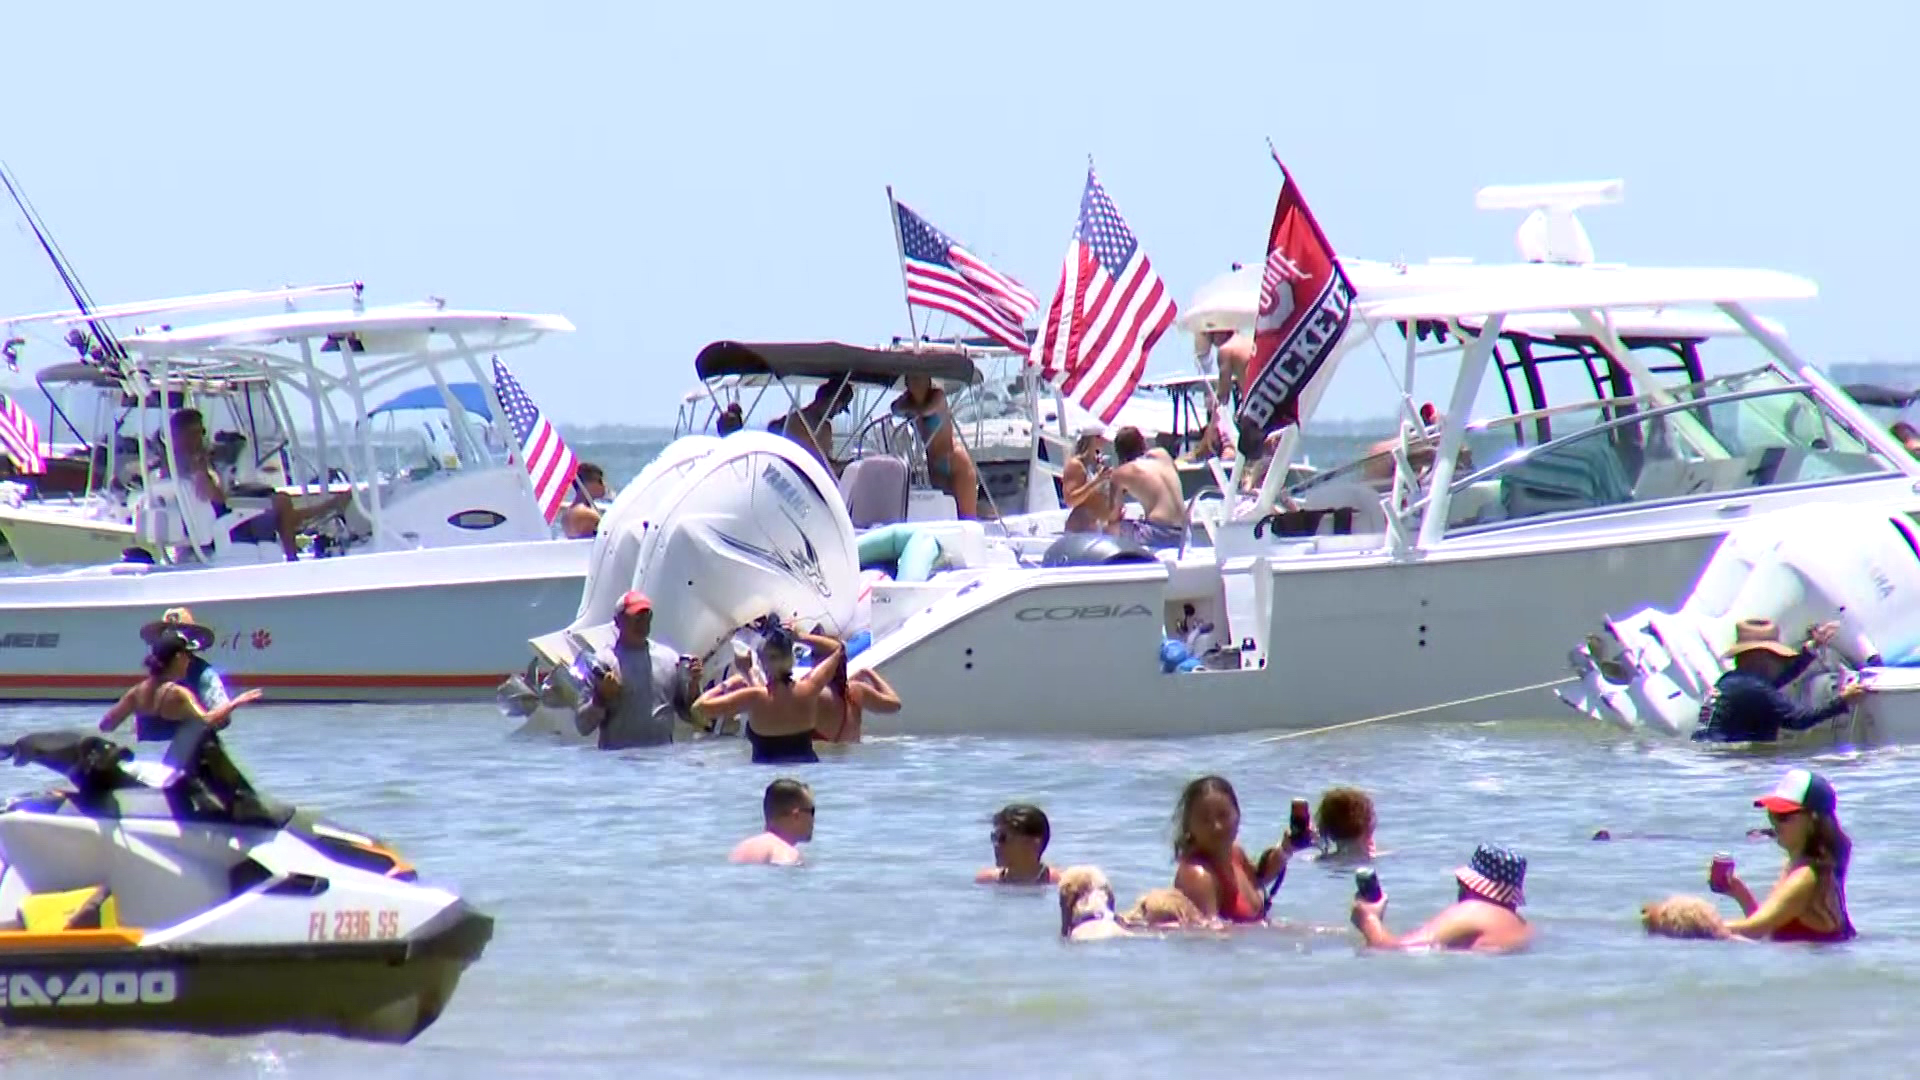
(1095, 549)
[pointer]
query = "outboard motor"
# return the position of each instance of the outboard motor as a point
(1095, 549)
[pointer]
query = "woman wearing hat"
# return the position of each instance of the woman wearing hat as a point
(159, 704)
(1746, 704)
(1484, 918)
(200, 676)
(1809, 902)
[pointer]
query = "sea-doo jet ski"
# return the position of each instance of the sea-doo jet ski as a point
(170, 895)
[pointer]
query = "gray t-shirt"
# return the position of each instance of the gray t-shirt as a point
(645, 714)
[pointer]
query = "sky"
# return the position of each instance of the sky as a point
(669, 175)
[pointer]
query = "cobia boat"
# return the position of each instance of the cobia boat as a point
(430, 599)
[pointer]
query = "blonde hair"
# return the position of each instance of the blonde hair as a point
(1164, 907)
(1083, 891)
(1692, 917)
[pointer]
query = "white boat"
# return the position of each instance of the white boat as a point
(1650, 672)
(79, 513)
(1449, 592)
(434, 582)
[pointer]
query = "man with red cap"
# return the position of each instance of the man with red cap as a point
(638, 703)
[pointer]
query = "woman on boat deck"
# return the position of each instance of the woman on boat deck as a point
(949, 465)
(782, 714)
(1086, 485)
(1809, 902)
(1213, 871)
(159, 704)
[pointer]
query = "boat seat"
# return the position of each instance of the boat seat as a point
(875, 490)
(90, 908)
(1581, 475)
(164, 510)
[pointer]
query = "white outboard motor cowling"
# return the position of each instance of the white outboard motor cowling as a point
(724, 532)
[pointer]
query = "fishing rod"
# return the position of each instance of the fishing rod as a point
(107, 347)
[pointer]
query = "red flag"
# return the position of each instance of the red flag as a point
(1306, 302)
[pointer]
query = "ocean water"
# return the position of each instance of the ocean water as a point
(626, 945)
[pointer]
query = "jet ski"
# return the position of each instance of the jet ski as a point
(170, 895)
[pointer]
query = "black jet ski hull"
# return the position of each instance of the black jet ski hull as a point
(380, 991)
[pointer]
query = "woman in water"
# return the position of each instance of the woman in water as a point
(1809, 902)
(159, 704)
(841, 706)
(783, 713)
(948, 464)
(1213, 871)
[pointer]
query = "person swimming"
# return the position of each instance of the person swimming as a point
(1211, 869)
(1809, 901)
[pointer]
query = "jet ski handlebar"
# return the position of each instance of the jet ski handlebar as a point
(87, 760)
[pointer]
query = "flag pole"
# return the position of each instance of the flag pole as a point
(900, 249)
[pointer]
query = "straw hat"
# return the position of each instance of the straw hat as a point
(180, 620)
(1759, 635)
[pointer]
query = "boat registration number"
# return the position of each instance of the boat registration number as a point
(29, 990)
(353, 924)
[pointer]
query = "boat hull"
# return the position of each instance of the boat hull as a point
(384, 991)
(437, 624)
(1349, 639)
(44, 538)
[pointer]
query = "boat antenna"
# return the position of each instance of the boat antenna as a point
(105, 346)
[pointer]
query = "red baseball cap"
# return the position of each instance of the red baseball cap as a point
(634, 602)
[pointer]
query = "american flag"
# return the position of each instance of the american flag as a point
(550, 463)
(1109, 311)
(944, 276)
(20, 438)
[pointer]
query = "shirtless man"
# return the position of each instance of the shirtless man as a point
(787, 807)
(1149, 476)
(582, 519)
(1232, 351)
(1085, 485)
(1485, 918)
(812, 425)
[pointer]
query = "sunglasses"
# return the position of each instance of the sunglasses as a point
(807, 810)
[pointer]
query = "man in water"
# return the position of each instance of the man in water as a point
(1485, 917)
(787, 808)
(1151, 477)
(1746, 704)
(638, 703)
(201, 678)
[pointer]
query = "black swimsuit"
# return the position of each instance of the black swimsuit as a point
(793, 749)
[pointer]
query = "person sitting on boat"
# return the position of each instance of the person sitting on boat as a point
(200, 676)
(582, 518)
(787, 808)
(637, 702)
(193, 463)
(1020, 836)
(731, 419)
(160, 703)
(1086, 485)
(1211, 869)
(1484, 918)
(1809, 901)
(1908, 435)
(1150, 476)
(782, 715)
(812, 425)
(949, 465)
(844, 705)
(1747, 704)
(1345, 821)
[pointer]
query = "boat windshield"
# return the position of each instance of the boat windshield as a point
(1734, 433)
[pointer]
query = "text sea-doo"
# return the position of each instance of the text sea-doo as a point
(172, 896)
